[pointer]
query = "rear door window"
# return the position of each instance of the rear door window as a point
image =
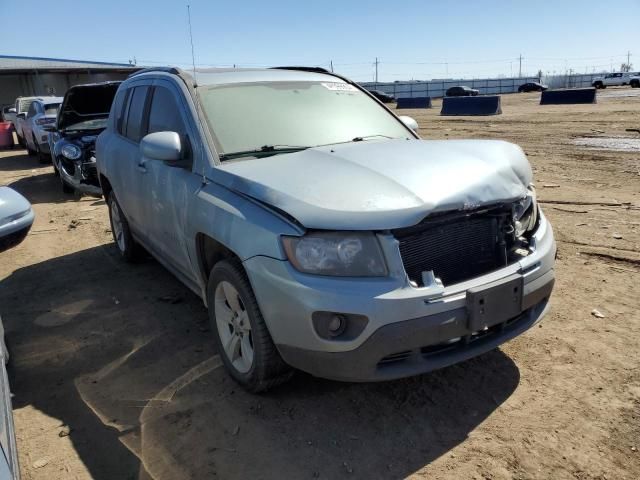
(136, 125)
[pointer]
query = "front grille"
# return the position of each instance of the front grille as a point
(456, 248)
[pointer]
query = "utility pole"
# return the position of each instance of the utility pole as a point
(628, 57)
(377, 71)
(520, 68)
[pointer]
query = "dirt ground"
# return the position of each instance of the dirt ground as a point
(115, 374)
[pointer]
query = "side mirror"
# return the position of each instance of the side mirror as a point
(12, 110)
(409, 122)
(164, 146)
(16, 218)
(22, 115)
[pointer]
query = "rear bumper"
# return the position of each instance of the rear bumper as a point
(412, 347)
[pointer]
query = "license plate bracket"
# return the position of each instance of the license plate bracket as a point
(494, 303)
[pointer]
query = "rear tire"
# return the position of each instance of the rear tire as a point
(31, 152)
(240, 332)
(41, 156)
(125, 243)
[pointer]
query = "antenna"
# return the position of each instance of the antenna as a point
(193, 55)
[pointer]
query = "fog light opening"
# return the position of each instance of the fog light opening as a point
(337, 325)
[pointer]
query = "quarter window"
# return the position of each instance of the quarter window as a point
(121, 103)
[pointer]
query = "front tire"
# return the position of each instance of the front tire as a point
(125, 243)
(240, 332)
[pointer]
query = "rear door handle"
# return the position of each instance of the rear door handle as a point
(142, 168)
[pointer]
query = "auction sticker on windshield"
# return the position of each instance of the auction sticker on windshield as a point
(339, 87)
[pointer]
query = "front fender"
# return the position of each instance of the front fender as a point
(244, 226)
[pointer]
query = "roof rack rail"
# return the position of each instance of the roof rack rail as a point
(304, 69)
(172, 70)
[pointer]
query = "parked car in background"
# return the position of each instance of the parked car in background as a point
(8, 113)
(42, 113)
(461, 91)
(16, 218)
(343, 245)
(382, 96)
(612, 80)
(82, 117)
(532, 87)
(22, 107)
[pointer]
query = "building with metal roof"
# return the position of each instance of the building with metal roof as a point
(35, 76)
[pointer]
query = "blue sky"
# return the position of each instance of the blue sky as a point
(412, 38)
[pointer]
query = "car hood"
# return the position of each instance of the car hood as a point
(86, 102)
(379, 185)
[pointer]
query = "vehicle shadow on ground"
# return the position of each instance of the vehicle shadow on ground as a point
(17, 159)
(123, 355)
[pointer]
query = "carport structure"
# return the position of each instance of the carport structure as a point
(36, 76)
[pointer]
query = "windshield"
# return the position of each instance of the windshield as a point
(246, 117)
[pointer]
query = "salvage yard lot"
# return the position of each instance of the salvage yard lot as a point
(115, 375)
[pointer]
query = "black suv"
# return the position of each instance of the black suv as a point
(461, 92)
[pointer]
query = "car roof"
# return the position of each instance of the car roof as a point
(224, 76)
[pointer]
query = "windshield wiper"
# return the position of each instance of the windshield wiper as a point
(269, 149)
(357, 139)
(366, 137)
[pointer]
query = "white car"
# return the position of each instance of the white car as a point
(612, 80)
(19, 116)
(42, 112)
(16, 218)
(8, 114)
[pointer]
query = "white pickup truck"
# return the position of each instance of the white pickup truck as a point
(613, 80)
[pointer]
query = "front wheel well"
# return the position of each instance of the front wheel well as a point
(210, 252)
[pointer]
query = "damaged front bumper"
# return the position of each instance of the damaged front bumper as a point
(80, 174)
(407, 330)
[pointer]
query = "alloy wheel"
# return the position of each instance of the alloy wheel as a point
(234, 327)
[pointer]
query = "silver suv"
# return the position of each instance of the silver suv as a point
(320, 231)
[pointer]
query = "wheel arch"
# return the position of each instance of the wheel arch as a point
(210, 251)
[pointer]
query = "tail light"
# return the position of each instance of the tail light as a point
(45, 121)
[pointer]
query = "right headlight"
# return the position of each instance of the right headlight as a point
(340, 254)
(526, 213)
(71, 151)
